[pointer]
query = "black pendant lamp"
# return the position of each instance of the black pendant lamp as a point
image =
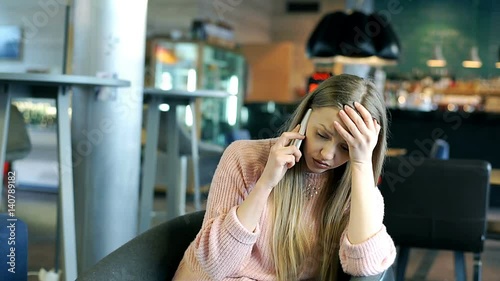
(325, 41)
(354, 38)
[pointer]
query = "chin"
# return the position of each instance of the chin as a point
(313, 169)
(319, 171)
(308, 168)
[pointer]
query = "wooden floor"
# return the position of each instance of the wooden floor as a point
(38, 210)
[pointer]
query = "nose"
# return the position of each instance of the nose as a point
(328, 152)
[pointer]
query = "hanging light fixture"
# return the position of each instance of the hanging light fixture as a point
(498, 60)
(437, 59)
(474, 60)
(354, 38)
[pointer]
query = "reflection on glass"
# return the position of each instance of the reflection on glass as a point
(38, 113)
(164, 107)
(191, 80)
(232, 103)
(193, 66)
(166, 81)
(189, 116)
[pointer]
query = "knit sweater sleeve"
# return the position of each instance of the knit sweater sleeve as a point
(372, 256)
(223, 244)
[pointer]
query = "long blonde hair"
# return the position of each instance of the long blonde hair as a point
(290, 242)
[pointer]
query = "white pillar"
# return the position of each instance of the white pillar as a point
(109, 37)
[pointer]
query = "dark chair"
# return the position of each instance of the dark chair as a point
(437, 204)
(155, 254)
(237, 134)
(440, 150)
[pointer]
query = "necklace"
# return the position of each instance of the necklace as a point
(311, 191)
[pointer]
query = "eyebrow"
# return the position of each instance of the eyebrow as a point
(333, 134)
(328, 131)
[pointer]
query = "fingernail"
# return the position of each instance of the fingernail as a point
(356, 103)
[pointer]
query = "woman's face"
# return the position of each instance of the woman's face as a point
(324, 149)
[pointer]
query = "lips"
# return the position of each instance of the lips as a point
(321, 164)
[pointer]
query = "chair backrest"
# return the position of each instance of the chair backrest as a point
(440, 150)
(179, 233)
(237, 134)
(438, 204)
(153, 255)
(156, 254)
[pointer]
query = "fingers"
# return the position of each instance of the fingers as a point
(287, 150)
(359, 121)
(343, 133)
(377, 126)
(289, 161)
(367, 117)
(358, 124)
(287, 137)
(352, 120)
(293, 150)
(287, 156)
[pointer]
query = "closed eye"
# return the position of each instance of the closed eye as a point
(322, 136)
(345, 147)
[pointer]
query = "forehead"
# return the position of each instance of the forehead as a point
(322, 119)
(325, 115)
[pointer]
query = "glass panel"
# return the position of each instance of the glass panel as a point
(222, 70)
(175, 66)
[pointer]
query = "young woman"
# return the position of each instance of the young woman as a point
(277, 212)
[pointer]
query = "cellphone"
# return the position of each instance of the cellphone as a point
(303, 126)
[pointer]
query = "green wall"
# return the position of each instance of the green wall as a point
(456, 25)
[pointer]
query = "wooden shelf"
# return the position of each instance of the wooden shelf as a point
(495, 177)
(468, 92)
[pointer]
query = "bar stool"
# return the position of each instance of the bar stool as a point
(160, 138)
(209, 156)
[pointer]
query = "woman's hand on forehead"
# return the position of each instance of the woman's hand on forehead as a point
(360, 132)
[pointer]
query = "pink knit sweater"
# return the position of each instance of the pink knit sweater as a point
(225, 250)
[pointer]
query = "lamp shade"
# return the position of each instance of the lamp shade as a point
(497, 64)
(474, 61)
(326, 37)
(385, 39)
(437, 59)
(354, 38)
(356, 42)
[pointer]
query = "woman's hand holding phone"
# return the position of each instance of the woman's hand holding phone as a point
(282, 157)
